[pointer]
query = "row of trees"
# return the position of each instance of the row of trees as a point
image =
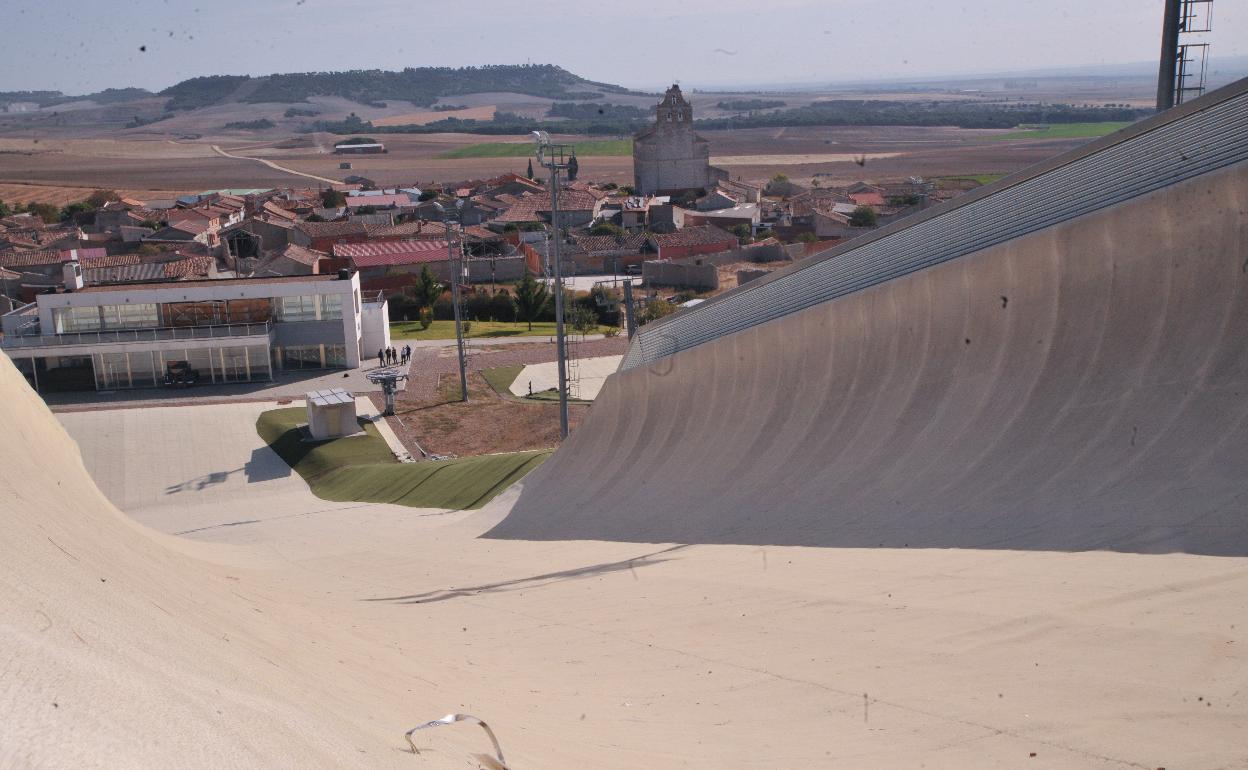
(528, 301)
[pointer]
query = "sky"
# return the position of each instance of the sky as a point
(80, 46)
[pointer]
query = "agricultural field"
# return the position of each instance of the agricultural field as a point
(832, 155)
(513, 149)
(1065, 131)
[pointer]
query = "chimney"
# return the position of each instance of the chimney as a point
(71, 273)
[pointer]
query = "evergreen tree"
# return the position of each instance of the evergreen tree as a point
(532, 297)
(427, 289)
(530, 174)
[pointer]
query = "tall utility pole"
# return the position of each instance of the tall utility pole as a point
(1167, 68)
(552, 156)
(457, 266)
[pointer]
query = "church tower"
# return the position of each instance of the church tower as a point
(668, 157)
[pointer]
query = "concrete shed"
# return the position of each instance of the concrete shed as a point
(331, 414)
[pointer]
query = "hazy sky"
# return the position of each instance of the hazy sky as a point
(79, 46)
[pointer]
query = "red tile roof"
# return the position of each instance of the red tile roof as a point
(867, 198)
(32, 258)
(392, 253)
(302, 255)
(694, 236)
(109, 260)
(379, 201)
(594, 243)
(330, 229)
(191, 267)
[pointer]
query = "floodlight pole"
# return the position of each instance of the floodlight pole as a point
(555, 163)
(456, 267)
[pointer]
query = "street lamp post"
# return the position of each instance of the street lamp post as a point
(552, 156)
(457, 266)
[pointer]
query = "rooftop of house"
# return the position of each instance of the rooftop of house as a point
(595, 243)
(693, 236)
(387, 253)
(331, 229)
(215, 282)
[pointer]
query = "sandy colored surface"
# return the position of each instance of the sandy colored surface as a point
(181, 468)
(585, 377)
(317, 640)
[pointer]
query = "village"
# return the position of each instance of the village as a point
(684, 230)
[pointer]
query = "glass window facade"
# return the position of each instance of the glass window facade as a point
(67, 320)
(309, 307)
(76, 319)
(223, 364)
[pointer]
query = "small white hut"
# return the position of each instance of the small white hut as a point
(331, 413)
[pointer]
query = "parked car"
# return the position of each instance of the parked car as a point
(180, 374)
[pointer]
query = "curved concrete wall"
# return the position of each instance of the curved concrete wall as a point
(1081, 387)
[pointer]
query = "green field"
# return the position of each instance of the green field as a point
(445, 330)
(363, 469)
(980, 179)
(1065, 131)
(525, 149)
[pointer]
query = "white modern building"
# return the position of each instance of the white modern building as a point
(227, 330)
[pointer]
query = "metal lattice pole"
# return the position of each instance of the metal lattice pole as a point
(552, 157)
(456, 268)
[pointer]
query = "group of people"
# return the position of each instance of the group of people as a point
(390, 356)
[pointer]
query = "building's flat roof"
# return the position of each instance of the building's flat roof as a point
(173, 285)
(332, 397)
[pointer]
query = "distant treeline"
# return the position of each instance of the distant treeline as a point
(502, 124)
(832, 113)
(53, 98)
(936, 113)
(419, 85)
(251, 125)
(750, 105)
(597, 113)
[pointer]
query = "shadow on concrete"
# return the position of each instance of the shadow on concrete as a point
(265, 465)
(535, 581)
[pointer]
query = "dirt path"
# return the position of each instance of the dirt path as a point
(274, 166)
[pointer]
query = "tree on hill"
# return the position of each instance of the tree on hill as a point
(863, 216)
(332, 199)
(532, 297)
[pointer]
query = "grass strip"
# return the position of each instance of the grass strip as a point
(362, 468)
(1065, 131)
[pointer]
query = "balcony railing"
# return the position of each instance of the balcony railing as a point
(161, 334)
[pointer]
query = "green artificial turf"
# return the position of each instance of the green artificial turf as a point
(362, 468)
(587, 148)
(1066, 131)
(501, 377)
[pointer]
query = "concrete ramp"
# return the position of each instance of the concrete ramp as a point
(1082, 385)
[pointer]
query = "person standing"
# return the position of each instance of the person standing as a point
(381, 357)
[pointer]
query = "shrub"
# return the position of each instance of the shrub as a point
(426, 318)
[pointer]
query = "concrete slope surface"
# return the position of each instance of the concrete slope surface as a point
(316, 641)
(1081, 387)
